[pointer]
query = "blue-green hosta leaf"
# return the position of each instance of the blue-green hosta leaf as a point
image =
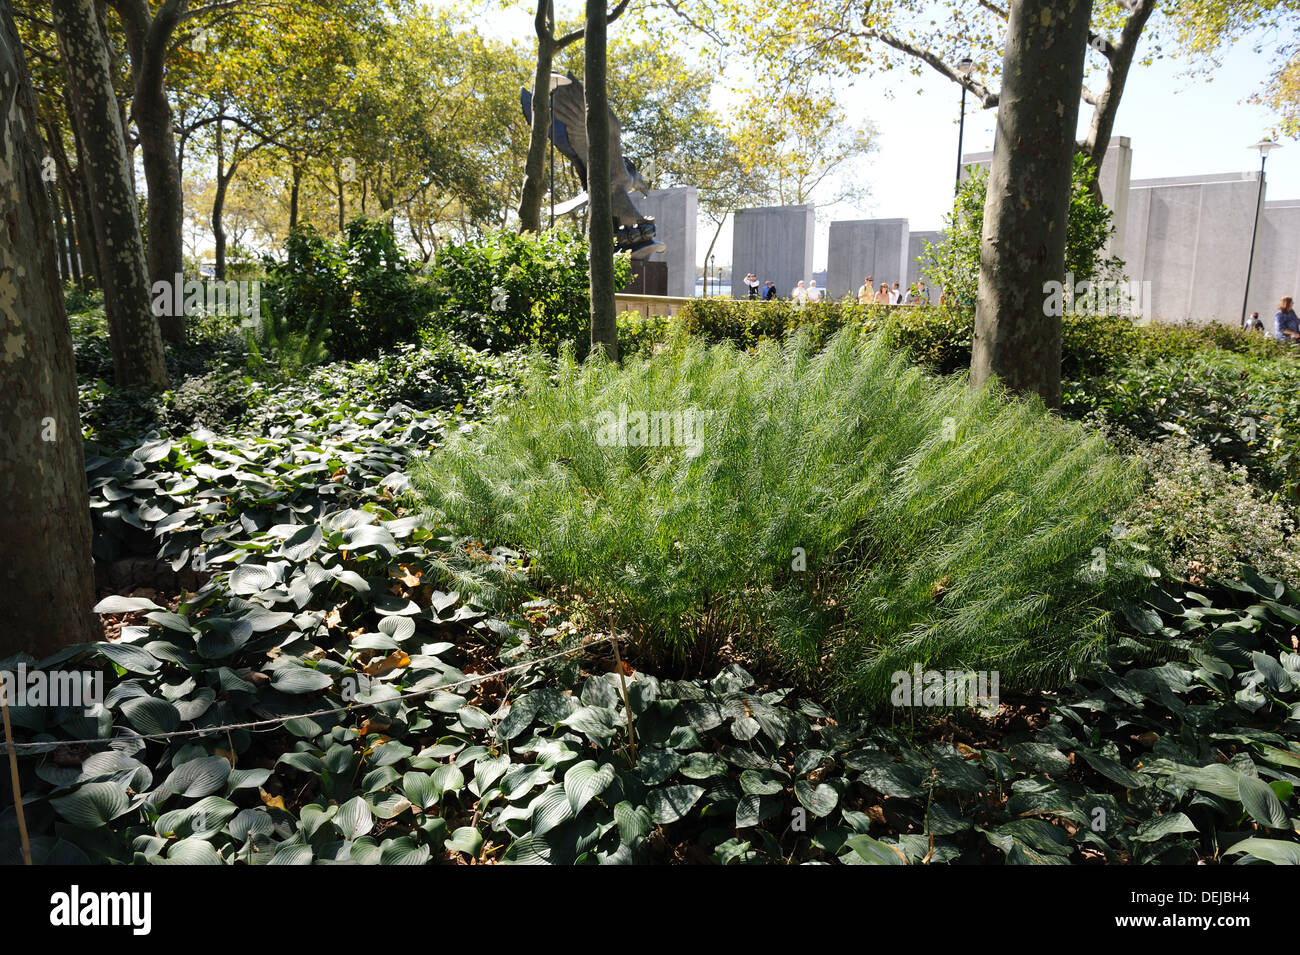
(874, 852)
(150, 715)
(1113, 770)
(1040, 757)
(191, 852)
(549, 809)
(403, 851)
(354, 818)
(447, 779)
(1275, 851)
(92, 805)
(247, 580)
(761, 782)
(198, 777)
(465, 839)
(1171, 823)
(1261, 802)
(116, 604)
(670, 803)
(418, 787)
(299, 680)
(288, 853)
(702, 766)
(130, 657)
(597, 722)
(820, 800)
(585, 780)
(634, 822)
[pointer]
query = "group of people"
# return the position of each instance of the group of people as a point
(868, 294)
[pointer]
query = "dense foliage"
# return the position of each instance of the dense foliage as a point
(839, 512)
(954, 264)
(357, 294)
(505, 290)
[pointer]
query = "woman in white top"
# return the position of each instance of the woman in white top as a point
(800, 294)
(814, 293)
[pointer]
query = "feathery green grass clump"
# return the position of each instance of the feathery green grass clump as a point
(840, 512)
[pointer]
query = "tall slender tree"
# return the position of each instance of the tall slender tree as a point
(548, 45)
(1023, 245)
(600, 223)
(137, 344)
(45, 564)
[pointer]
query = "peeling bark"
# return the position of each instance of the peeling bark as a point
(1023, 244)
(45, 564)
(134, 333)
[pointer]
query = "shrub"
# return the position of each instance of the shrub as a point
(360, 288)
(1243, 410)
(939, 526)
(507, 290)
(954, 264)
(1208, 520)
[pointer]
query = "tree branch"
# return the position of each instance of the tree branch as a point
(988, 99)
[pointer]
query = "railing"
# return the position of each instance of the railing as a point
(651, 306)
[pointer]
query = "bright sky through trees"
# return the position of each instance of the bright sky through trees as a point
(1179, 124)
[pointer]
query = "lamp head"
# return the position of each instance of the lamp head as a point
(965, 65)
(1266, 146)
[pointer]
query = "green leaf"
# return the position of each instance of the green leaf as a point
(820, 800)
(92, 805)
(1261, 802)
(1275, 851)
(1153, 830)
(874, 852)
(584, 781)
(465, 839)
(670, 803)
(198, 777)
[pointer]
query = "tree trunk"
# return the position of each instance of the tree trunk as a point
(60, 238)
(137, 345)
(1103, 114)
(218, 208)
(148, 39)
(74, 250)
(530, 204)
(294, 191)
(1023, 245)
(600, 230)
(45, 563)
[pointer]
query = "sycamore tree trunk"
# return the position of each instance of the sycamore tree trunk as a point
(45, 564)
(530, 204)
(600, 226)
(136, 341)
(149, 36)
(1023, 246)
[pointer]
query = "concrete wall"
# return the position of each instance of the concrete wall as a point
(674, 212)
(914, 249)
(862, 247)
(1189, 237)
(1115, 178)
(1277, 259)
(775, 244)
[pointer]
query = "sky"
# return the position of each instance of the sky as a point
(1178, 123)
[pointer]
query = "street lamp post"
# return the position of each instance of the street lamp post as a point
(1265, 147)
(551, 136)
(964, 68)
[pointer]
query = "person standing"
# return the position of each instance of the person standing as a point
(895, 295)
(1286, 326)
(800, 294)
(769, 291)
(867, 292)
(751, 283)
(814, 293)
(882, 296)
